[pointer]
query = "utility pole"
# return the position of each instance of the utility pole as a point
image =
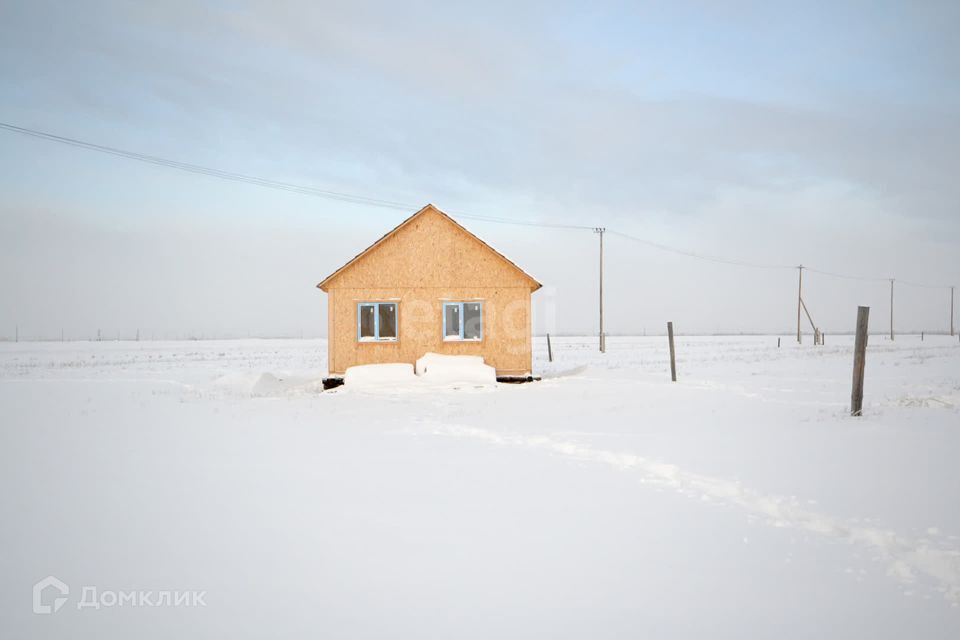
(951, 311)
(799, 300)
(891, 309)
(603, 342)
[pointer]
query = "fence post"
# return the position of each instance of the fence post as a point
(673, 355)
(859, 361)
(549, 349)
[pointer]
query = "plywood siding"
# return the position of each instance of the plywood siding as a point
(425, 263)
(331, 328)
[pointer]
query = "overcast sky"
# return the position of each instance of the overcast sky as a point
(822, 133)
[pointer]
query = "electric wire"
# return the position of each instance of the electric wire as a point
(402, 206)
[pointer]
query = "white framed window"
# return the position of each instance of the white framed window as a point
(377, 322)
(463, 321)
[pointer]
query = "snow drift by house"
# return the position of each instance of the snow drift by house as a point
(432, 369)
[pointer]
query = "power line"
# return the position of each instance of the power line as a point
(261, 182)
(523, 223)
(402, 206)
(924, 286)
(846, 276)
(682, 252)
(208, 171)
(872, 279)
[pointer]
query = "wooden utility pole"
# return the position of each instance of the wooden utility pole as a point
(951, 311)
(549, 349)
(891, 309)
(799, 300)
(603, 342)
(859, 361)
(673, 355)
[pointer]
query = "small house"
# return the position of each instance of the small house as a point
(429, 285)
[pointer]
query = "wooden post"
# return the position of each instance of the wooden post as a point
(921, 336)
(799, 300)
(549, 349)
(61, 335)
(778, 343)
(16, 333)
(859, 361)
(891, 309)
(673, 355)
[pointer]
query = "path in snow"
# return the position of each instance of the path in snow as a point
(906, 560)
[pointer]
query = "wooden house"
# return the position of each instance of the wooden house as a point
(429, 285)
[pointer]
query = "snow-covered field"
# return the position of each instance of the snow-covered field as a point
(602, 502)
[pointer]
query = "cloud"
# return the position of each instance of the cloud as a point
(750, 130)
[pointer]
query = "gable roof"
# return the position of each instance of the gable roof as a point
(326, 281)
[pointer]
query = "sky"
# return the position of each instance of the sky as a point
(818, 133)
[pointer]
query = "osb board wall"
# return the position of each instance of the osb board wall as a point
(430, 251)
(424, 264)
(506, 328)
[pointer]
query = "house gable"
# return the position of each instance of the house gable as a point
(429, 249)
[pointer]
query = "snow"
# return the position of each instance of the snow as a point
(432, 372)
(442, 369)
(376, 376)
(604, 501)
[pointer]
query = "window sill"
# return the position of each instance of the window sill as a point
(377, 340)
(463, 339)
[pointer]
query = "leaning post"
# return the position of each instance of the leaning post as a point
(859, 361)
(673, 355)
(549, 349)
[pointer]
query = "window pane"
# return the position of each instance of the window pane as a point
(367, 321)
(388, 321)
(471, 321)
(451, 316)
